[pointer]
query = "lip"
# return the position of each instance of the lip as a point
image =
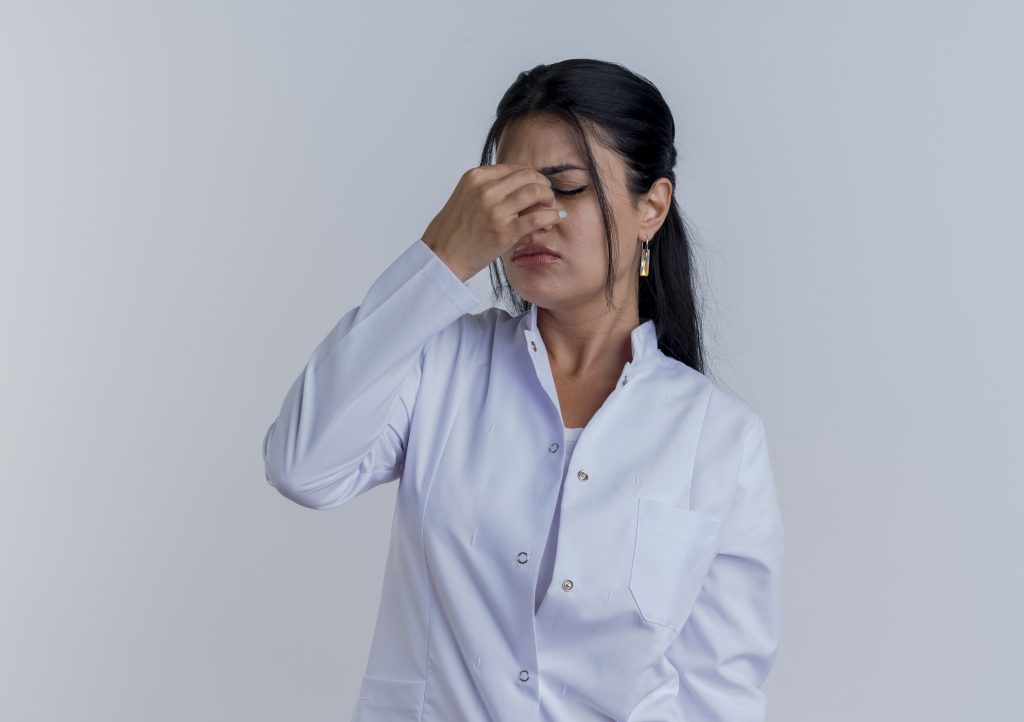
(534, 250)
(534, 260)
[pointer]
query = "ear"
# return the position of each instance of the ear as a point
(654, 206)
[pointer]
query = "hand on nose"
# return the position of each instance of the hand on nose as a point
(537, 207)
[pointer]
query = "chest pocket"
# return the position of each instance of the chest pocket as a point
(389, 700)
(674, 549)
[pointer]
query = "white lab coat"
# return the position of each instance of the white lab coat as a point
(664, 599)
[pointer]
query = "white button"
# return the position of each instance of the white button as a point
(567, 585)
(522, 557)
(533, 345)
(553, 448)
(524, 675)
(582, 475)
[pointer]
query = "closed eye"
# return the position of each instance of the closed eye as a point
(571, 192)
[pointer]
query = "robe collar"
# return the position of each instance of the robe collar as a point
(643, 338)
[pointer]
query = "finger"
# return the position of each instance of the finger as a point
(538, 219)
(525, 197)
(520, 177)
(498, 172)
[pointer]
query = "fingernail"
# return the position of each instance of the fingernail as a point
(562, 214)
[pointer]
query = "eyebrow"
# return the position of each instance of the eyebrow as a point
(555, 169)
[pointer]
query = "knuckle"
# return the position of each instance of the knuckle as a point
(488, 195)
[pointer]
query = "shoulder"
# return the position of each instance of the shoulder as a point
(725, 411)
(471, 334)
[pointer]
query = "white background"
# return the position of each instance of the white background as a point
(192, 193)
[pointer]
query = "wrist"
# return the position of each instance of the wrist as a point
(453, 266)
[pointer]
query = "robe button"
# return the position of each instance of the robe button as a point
(524, 675)
(553, 448)
(582, 475)
(522, 557)
(624, 380)
(533, 345)
(567, 585)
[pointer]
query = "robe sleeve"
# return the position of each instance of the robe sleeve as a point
(344, 423)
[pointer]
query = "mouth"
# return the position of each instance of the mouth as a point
(535, 260)
(534, 251)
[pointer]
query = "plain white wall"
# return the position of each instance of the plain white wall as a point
(192, 193)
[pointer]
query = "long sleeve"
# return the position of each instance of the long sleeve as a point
(344, 423)
(728, 645)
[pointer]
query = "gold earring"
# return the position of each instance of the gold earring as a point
(645, 258)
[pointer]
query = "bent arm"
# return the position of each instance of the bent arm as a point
(343, 426)
(729, 643)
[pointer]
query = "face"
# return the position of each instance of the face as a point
(577, 278)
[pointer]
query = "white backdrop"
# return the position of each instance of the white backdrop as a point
(192, 193)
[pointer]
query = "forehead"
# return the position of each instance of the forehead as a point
(541, 142)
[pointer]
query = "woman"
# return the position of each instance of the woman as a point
(633, 576)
